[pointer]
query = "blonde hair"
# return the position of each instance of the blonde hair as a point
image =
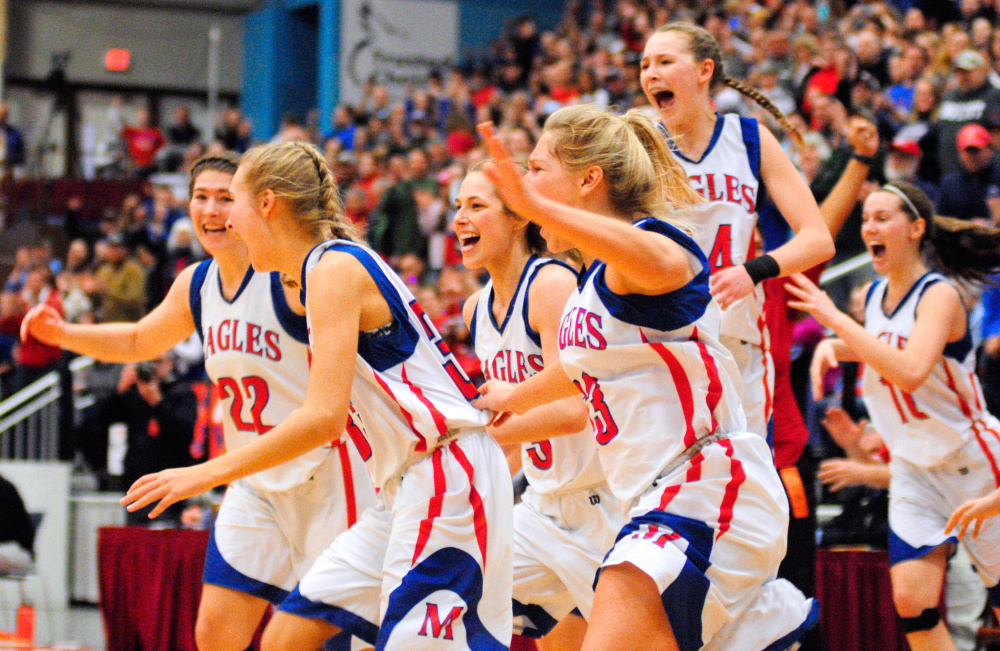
(702, 46)
(642, 175)
(297, 173)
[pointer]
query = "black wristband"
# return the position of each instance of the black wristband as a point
(864, 160)
(762, 267)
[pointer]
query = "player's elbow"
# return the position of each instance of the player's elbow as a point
(575, 418)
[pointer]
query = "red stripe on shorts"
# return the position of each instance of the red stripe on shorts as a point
(738, 476)
(348, 475)
(973, 422)
(421, 442)
(433, 507)
(765, 354)
(478, 513)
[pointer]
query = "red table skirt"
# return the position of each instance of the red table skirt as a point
(151, 585)
(857, 613)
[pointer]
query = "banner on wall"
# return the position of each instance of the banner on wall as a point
(396, 42)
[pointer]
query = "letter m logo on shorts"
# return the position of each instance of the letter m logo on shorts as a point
(437, 625)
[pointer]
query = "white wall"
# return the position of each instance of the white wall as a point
(169, 47)
(44, 487)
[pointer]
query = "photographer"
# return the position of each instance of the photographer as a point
(159, 415)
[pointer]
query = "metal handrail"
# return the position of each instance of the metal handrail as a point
(29, 419)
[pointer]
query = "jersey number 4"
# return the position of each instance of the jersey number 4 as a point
(256, 388)
(722, 250)
(604, 425)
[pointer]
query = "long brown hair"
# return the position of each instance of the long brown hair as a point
(703, 46)
(955, 246)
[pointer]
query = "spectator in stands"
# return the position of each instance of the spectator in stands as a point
(974, 100)
(972, 191)
(72, 282)
(393, 228)
(35, 359)
(291, 130)
(231, 132)
(903, 162)
(12, 150)
(181, 134)
(160, 415)
(17, 533)
(143, 141)
(119, 283)
(18, 274)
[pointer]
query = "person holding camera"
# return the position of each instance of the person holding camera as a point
(159, 415)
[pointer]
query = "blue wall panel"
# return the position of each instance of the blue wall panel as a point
(292, 50)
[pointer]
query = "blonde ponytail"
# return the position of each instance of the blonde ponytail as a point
(297, 173)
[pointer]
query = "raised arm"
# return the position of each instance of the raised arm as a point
(940, 320)
(837, 207)
(340, 291)
(638, 261)
(812, 243)
(166, 326)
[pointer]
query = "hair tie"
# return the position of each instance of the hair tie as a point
(902, 195)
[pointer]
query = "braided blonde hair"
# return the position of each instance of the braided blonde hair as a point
(297, 173)
(642, 175)
(702, 46)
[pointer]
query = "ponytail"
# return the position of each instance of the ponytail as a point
(702, 46)
(642, 176)
(298, 174)
(957, 247)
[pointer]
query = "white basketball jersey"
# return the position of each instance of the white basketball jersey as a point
(651, 369)
(946, 411)
(408, 389)
(511, 351)
(256, 352)
(728, 177)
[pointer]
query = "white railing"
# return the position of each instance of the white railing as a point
(29, 419)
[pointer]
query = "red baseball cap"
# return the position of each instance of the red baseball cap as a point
(973, 135)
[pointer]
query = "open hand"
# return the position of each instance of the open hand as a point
(496, 398)
(167, 487)
(730, 285)
(506, 176)
(44, 324)
(974, 511)
(810, 298)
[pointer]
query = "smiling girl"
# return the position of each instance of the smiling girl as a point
(694, 566)
(568, 518)
(272, 525)
(429, 565)
(921, 391)
(735, 164)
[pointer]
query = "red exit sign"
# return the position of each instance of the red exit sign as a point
(117, 59)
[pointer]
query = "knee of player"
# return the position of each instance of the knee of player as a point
(910, 601)
(211, 635)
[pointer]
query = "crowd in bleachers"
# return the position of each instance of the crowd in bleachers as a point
(926, 75)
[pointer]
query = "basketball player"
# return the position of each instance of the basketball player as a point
(567, 519)
(732, 162)
(921, 392)
(273, 524)
(694, 567)
(429, 566)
